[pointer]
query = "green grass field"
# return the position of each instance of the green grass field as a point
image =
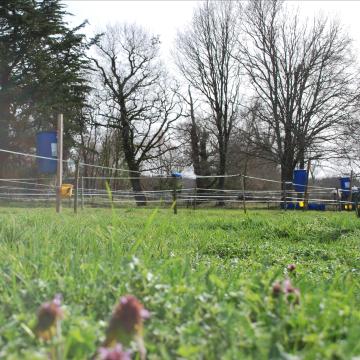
(206, 276)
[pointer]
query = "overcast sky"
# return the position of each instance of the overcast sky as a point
(159, 17)
(166, 17)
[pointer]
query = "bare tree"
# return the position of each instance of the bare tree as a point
(196, 142)
(249, 140)
(348, 147)
(138, 99)
(204, 56)
(302, 76)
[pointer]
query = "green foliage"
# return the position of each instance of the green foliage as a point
(42, 69)
(206, 277)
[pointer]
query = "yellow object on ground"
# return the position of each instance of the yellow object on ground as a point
(301, 204)
(66, 190)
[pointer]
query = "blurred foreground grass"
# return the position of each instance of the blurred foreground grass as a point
(205, 275)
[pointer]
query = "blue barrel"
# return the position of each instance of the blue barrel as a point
(345, 185)
(176, 175)
(46, 145)
(300, 180)
(316, 206)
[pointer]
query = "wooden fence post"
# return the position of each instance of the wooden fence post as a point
(82, 193)
(243, 192)
(351, 182)
(195, 199)
(338, 199)
(59, 172)
(174, 195)
(76, 187)
(306, 193)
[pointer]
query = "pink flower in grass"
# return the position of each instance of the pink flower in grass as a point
(291, 267)
(292, 294)
(276, 289)
(48, 315)
(126, 321)
(114, 353)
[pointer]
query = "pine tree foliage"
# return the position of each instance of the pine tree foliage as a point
(42, 70)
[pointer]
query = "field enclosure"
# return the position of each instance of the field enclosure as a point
(206, 276)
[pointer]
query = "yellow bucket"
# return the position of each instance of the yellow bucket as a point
(66, 190)
(301, 204)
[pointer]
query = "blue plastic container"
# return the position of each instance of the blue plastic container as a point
(46, 145)
(176, 175)
(316, 206)
(345, 185)
(289, 206)
(300, 180)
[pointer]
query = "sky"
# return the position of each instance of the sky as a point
(164, 18)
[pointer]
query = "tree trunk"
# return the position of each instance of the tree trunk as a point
(140, 198)
(5, 118)
(302, 163)
(199, 154)
(200, 158)
(129, 154)
(287, 170)
(222, 171)
(135, 177)
(302, 157)
(287, 174)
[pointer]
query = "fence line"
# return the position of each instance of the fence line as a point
(192, 194)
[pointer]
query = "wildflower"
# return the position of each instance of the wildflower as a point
(291, 267)
(126, 321)
(287, 286)
(48, 316)
(115, 353)
(276, 289)
(292, 294)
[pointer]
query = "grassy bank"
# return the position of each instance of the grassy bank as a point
(206, 276)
